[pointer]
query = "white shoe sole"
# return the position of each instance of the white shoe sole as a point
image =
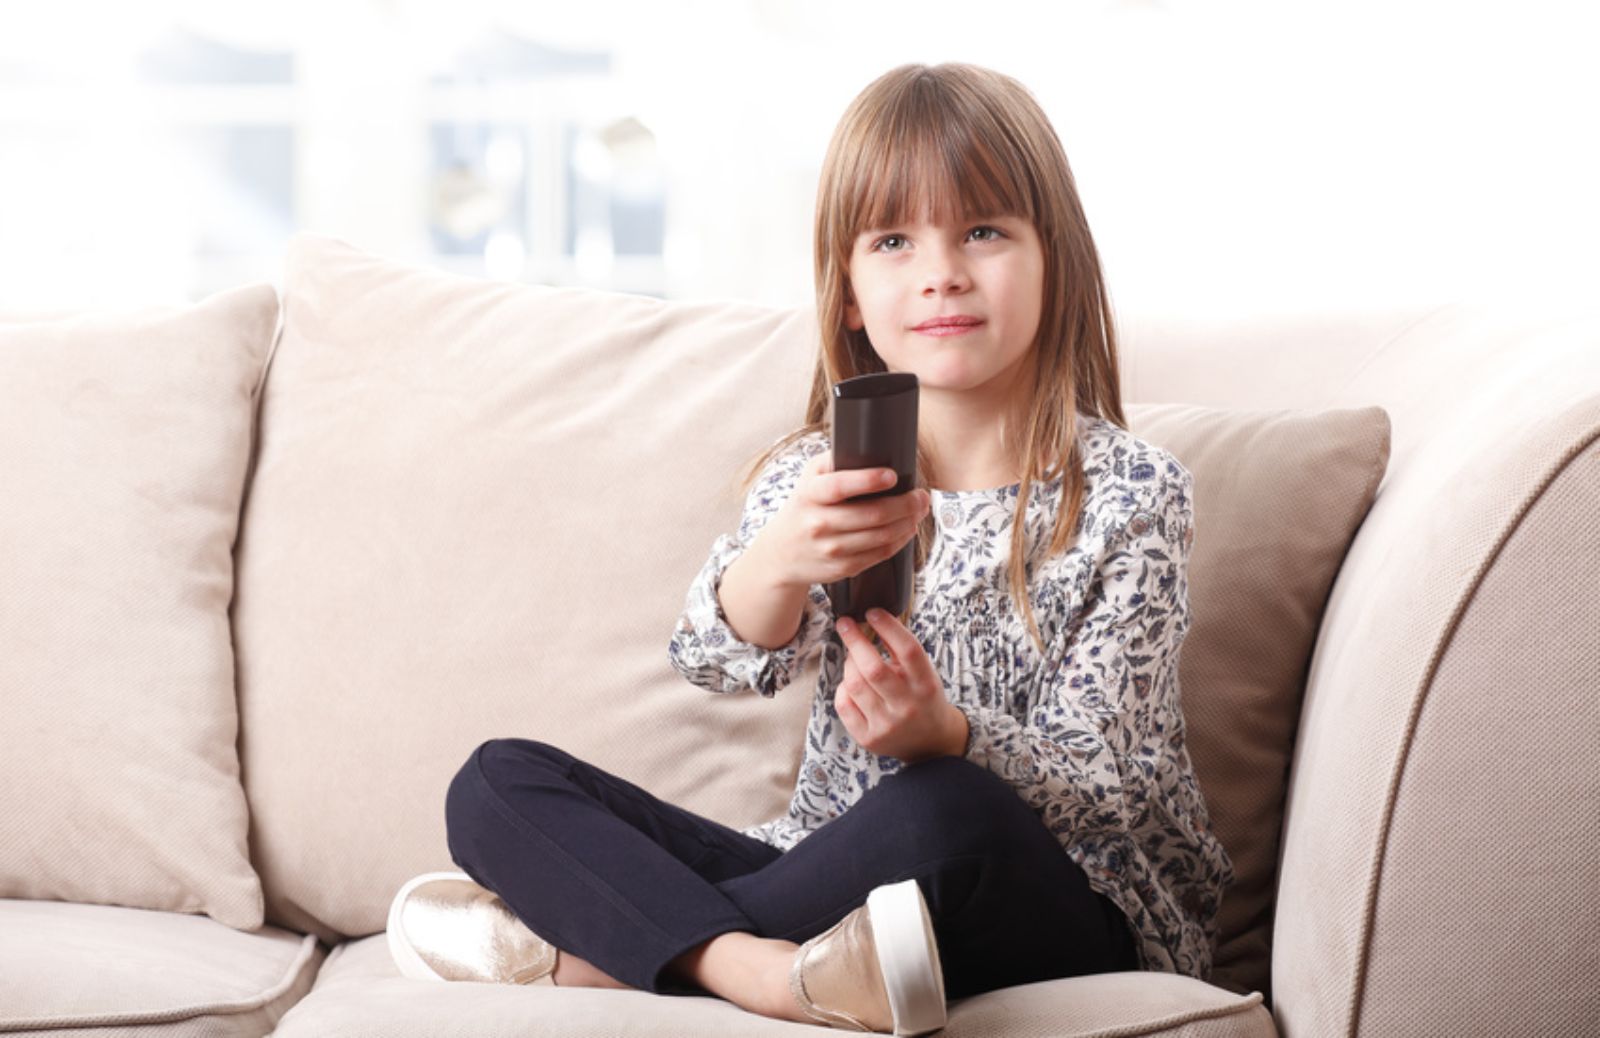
(405, 957)
(908, 956)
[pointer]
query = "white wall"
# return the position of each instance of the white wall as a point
(1232, 153)
(1226, 152)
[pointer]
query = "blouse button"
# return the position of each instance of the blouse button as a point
(819, 776)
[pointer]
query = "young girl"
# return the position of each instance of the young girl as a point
(995, 788)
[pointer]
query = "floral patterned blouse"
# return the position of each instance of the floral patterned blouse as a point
(1090, 735)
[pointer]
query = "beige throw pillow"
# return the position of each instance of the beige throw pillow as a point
(476, 513)
(1278, 497)
(124, 442)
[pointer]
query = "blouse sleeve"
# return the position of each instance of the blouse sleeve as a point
(704, 648)
(1090, 731)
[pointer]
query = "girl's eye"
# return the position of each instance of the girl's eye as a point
(895, 237)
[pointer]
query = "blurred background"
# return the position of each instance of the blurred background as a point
(1228, 153)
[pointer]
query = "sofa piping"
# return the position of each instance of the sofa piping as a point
(1244, 1004)
(308, 945)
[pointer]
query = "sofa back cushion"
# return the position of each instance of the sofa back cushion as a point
(124, 442)
(476, 512)
(1278, 496)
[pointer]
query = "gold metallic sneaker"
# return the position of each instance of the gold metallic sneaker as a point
(877, 969)
(444, 926)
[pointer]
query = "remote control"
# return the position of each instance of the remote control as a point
(875, 426)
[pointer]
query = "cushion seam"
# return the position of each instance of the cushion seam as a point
(307, 948)
(1243, 1004)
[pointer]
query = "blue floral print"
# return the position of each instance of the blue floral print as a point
(1090, 735)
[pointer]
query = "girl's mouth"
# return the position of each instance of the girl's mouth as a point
(948, 329)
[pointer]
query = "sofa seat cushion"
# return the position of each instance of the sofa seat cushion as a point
(359, 991)
(70, 968)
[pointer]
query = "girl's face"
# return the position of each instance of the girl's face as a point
(989, 269)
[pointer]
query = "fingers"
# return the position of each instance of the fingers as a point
(848, 483)
(856, 482)
(847, 704)
(921, 501)
(871, 665)
(902, 645)
(860, 694)
(889, 630)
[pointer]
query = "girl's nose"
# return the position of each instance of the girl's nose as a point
(944, 275)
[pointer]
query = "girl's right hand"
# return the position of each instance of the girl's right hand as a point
(820, 536)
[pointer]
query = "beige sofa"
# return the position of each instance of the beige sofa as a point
(273, 564)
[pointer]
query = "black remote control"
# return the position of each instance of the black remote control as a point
(875, 426)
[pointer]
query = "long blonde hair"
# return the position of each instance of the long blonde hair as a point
(961, 139)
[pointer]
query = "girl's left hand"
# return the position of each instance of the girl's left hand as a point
(895, 707)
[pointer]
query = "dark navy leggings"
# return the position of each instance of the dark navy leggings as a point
(606, 871)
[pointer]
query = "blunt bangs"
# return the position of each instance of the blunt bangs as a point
(932, 156)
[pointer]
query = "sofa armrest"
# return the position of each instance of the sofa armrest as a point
(1441, 836)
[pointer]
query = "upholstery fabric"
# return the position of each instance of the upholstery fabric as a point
(102, 970)
(360, 991)
(124, 441)
(1461, 851)
(476, 509)
(1489, 408)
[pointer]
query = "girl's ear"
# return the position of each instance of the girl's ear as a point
(852, 312)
